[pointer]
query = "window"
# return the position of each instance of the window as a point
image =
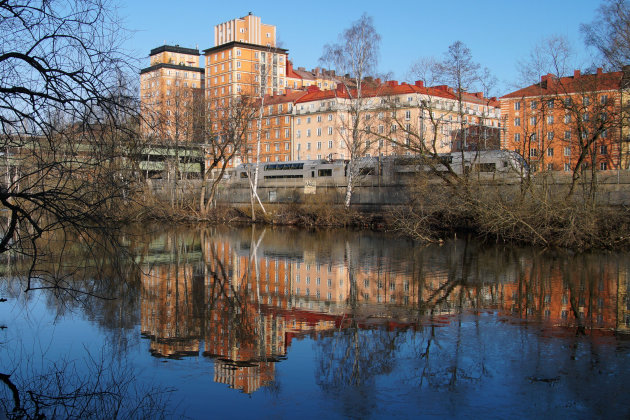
(533, 104)
(407, 115)
(517, 137)
(286, 133)
(550, 104)
(319, 118)
(308, 146)
(567, 151)
(567, 135)
(550, 135)
(517, 106)
(308, 120)
(319, 132)
(603, 150)
(329, 117)
(603, 166)
(319, 145)
(585, 116)
(330, 131)
(567, 168)
(603, 99)
(567, 118)
(550, 119)
(550, 166)
(550, 152)
(517, 122)
(330, 144)
(533, 152)
(308, 133)
(532, 120)
(586, 101)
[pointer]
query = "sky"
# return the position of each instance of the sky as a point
(499, 33)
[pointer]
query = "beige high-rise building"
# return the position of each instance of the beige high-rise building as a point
(248, 29)
(169, 88)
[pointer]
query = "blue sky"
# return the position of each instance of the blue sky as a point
(498, 32)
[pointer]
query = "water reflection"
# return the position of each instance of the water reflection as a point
(239, 297)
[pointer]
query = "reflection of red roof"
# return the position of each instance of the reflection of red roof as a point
(552, 85)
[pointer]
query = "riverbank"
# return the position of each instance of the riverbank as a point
(540, 215)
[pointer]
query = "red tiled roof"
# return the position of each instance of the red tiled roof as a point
(551, 85)
(292, 96)
(392, 88)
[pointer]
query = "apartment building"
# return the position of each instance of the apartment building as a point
(170, 91)
(277, 127)
(301, 78)
(564, 122)
(244, 60)
(394, 119)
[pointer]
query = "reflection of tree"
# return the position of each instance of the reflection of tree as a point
(354, 357)
(93, 389)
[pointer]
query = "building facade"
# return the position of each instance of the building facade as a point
(171, 89)
(562, 123)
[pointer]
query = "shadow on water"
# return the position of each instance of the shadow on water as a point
(457, 329)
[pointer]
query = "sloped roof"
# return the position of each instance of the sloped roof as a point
(392, 88)
(552, 85)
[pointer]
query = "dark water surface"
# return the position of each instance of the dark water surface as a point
(280, 323)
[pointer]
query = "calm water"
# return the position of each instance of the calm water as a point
(280, 323)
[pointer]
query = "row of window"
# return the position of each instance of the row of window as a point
(551, 135)
(319, 145)
(603, 150)
(276, 146)
(586, 101)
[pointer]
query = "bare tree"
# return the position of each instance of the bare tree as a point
(63, 117)
(355, 54)
(225, 137)
(609, 33)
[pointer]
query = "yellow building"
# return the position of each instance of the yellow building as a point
(169, 91)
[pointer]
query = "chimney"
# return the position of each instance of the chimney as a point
(576, 74)
(392, 83)
(419, 83)
(600, 71)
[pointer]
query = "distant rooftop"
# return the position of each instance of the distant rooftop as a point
(175, 49)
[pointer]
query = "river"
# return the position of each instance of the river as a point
(265, 322)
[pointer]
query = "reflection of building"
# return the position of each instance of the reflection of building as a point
(242, 300)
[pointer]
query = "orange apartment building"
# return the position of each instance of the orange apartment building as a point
(170, 90)
(545, 121)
